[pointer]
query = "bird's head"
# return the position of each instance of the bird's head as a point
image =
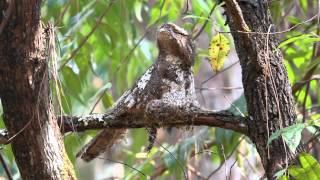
(176, 41)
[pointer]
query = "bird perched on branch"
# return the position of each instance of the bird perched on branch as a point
(168, 83)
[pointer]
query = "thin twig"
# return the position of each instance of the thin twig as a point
(205, 23)
(272, 33)
(125, 164)
(234, 149)
(74, 53)
(178, 162)
(162, 168)
(219, 88)
(98, 100)
(5, 167)
(64, 10)
(187, 7)
(195, 172)
(249, 163)
(230, 172)
(225, 161)
(304, 110)
(225, 69)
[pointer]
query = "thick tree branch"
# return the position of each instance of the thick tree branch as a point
(137, 119)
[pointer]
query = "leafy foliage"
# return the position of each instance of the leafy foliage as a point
(308, 168)
(291, 135)
(104, 46)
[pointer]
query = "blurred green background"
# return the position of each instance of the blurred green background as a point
(103, 46)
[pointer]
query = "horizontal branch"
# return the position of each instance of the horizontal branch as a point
(135, 119)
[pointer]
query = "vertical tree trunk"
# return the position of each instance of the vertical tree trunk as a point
(265, 81)
(24, 90)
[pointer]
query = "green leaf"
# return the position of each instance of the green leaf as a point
(310, 165)
(196, 17)
(71, 79)
(107, 100)
(280, 173)
(137, 10)
(309, 169)
(291, 135)
(305, 37)
(297, 172)
(80, 18)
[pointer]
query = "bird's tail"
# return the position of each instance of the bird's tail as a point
(99, 144)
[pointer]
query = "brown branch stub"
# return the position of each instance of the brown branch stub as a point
(234, 9)
(137, 119)
(4, 136)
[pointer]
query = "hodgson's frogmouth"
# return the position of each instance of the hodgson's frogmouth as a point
(167, 83)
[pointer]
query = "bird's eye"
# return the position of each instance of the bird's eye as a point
(179, 32)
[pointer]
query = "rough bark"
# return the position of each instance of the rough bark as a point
(265, 81)
(24, 90)
(137, 119)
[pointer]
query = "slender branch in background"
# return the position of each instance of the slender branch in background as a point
(158, 171)
(225, 69)
(219, 88)
(316, 52)
(162, 167)
(98, 100)
(271, 33)
(286, 13)
(230, 172)
(5, 167)
(315, 136)
(316, 44)
(313, 77)
(205, 23)
(195, 172)
(64, 10)
(125, 164)
(249, 163)
(304, 110)
(127, 57)
(297, 86)
(222, 163)
(225, 161)
(187, 7)
(148, 30)
(74, 53)
(177, 160)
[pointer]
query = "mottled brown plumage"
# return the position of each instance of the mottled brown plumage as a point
(168, 81)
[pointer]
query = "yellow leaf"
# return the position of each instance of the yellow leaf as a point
(218, 51)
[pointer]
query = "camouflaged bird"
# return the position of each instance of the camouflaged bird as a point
(168, 81)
